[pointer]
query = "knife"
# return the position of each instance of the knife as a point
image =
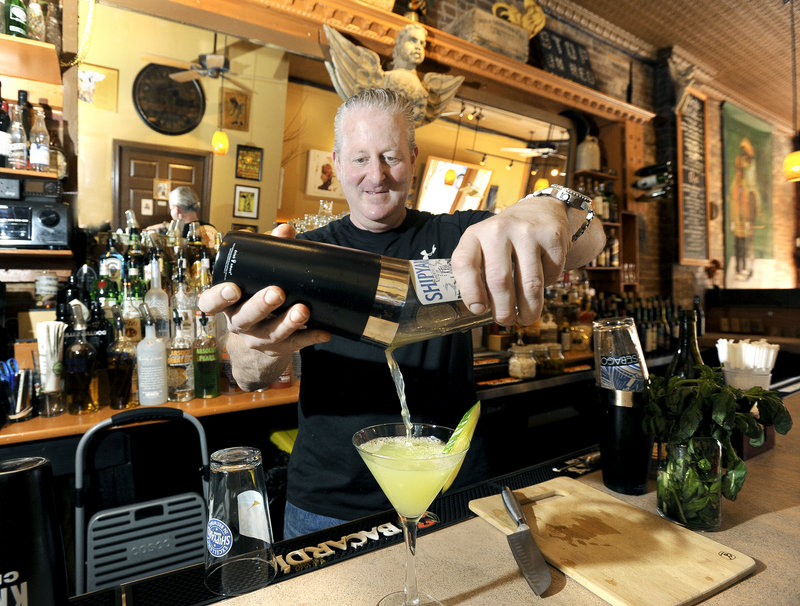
(529, 558)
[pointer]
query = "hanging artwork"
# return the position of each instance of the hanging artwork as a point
(321, 177)
(747, 153)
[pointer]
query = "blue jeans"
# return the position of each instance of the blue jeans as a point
(298, 521)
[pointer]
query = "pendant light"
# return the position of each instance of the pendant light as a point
(450, 175)
(791, 164)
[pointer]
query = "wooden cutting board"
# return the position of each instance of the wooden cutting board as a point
(622, 553)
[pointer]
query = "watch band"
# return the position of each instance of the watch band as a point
(573, 199)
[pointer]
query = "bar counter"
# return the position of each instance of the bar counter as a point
(470, 563)
(43, 428)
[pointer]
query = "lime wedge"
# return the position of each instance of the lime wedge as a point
(461, 437)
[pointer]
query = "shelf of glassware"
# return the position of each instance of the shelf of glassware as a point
(625, 276)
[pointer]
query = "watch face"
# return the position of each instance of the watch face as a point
(167, 106)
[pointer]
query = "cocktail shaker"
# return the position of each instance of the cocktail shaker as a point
(351, 293)
(620, 375)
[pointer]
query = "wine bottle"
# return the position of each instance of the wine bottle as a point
(151, 364)
(652, 181)
(26, 111)
(687, 355)
(16, 18)
(80, 360)
(655, 194)
(206, 362)
(701, 316)
(180, 363)
(654, 169)
(351, 293)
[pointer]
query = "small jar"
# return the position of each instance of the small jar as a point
(522, 364)
(556, 358)
(542, 356)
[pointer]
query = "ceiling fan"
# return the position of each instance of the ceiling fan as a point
(537, 149)
(207, 65)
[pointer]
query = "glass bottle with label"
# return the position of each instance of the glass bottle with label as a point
(5, 135)
(185, 303)
(16, 18)
(121, 370)
(39, 155)
(100, 333)
(80, 360)
(18, 141)
(131, 301)
(158, 302)
(26, 109)
(206, 362)
(35, 21)
(180, 363)
(112, 262)
(151, 364)
(202, 283)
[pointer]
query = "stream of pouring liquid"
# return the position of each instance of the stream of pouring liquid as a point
(400, 386)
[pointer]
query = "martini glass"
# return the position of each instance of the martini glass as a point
(411, 470)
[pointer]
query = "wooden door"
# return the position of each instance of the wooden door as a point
(145, 174)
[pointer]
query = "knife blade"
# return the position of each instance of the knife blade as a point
(523, 546)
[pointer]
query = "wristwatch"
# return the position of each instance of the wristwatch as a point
(573, 199)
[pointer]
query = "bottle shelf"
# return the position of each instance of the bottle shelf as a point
(596, 174)
(28, 173)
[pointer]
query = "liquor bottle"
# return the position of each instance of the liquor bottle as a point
(151, 364)
(5, 135)
(18, 146)
(611, 203)
(134, 256)
(655, 194)
(598, 201)
(105, 292)
(158, 302)
(193, 252)
(112, 263)
(35, 21)
(613, 248)
(16, 18)
(131, 301)
(206, 362)
(39, 154)
(701, 316)
(180, 363)
(652, 181)
(620, 376)
(100, 333)
(26, 111)
(352, 293)
(80, 360)
(654, 169)
(185, 303)
(687, 355)
(121, 369)
(203, 281)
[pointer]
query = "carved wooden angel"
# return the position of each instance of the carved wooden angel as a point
(354, 68)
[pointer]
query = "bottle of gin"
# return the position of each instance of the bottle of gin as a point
(359, 295)
(80, 360)
(123, 392)
(151, 364)
(206, 362)
(180, 363)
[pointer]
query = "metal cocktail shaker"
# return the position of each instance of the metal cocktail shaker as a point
(351, 293)
(620, 375)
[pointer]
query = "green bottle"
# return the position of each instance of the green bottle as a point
(16, 18)
(206, 362)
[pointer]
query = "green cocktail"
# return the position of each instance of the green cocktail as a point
(411, 471)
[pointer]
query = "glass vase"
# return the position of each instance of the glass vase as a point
(690, 484)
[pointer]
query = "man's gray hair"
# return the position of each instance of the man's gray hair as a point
(184, 198)
(383, 99)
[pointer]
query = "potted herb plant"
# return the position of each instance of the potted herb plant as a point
(680, 411)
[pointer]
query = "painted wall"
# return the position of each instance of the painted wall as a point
(119, 39)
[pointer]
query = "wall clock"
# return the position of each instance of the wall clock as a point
(167, 106)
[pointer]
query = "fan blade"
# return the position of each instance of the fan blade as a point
(166, 61)
(235, 82)
(186, 76)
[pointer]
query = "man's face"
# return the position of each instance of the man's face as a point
(375, 167)
(413, 47)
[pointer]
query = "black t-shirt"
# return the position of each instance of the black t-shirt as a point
(346, 384)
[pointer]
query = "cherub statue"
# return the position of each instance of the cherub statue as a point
(353, 68)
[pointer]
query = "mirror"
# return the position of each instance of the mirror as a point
(449, 186)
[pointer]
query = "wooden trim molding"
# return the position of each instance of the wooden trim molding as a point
(297, 26)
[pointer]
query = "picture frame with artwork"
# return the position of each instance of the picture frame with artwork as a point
(245, 201)
(248, 162)
(321, 177)
(235, 109)
(161, 189)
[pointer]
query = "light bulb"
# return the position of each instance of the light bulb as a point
(219, 143)
(554, 172)
(791, 166)
(450, 177)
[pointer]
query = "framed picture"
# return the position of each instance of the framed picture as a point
(244, 227)
(248, 162)
(98, 86)
(320, 177)
(235, 109)
(245, 201)
(161, 189)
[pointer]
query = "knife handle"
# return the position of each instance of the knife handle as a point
(513, 506)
